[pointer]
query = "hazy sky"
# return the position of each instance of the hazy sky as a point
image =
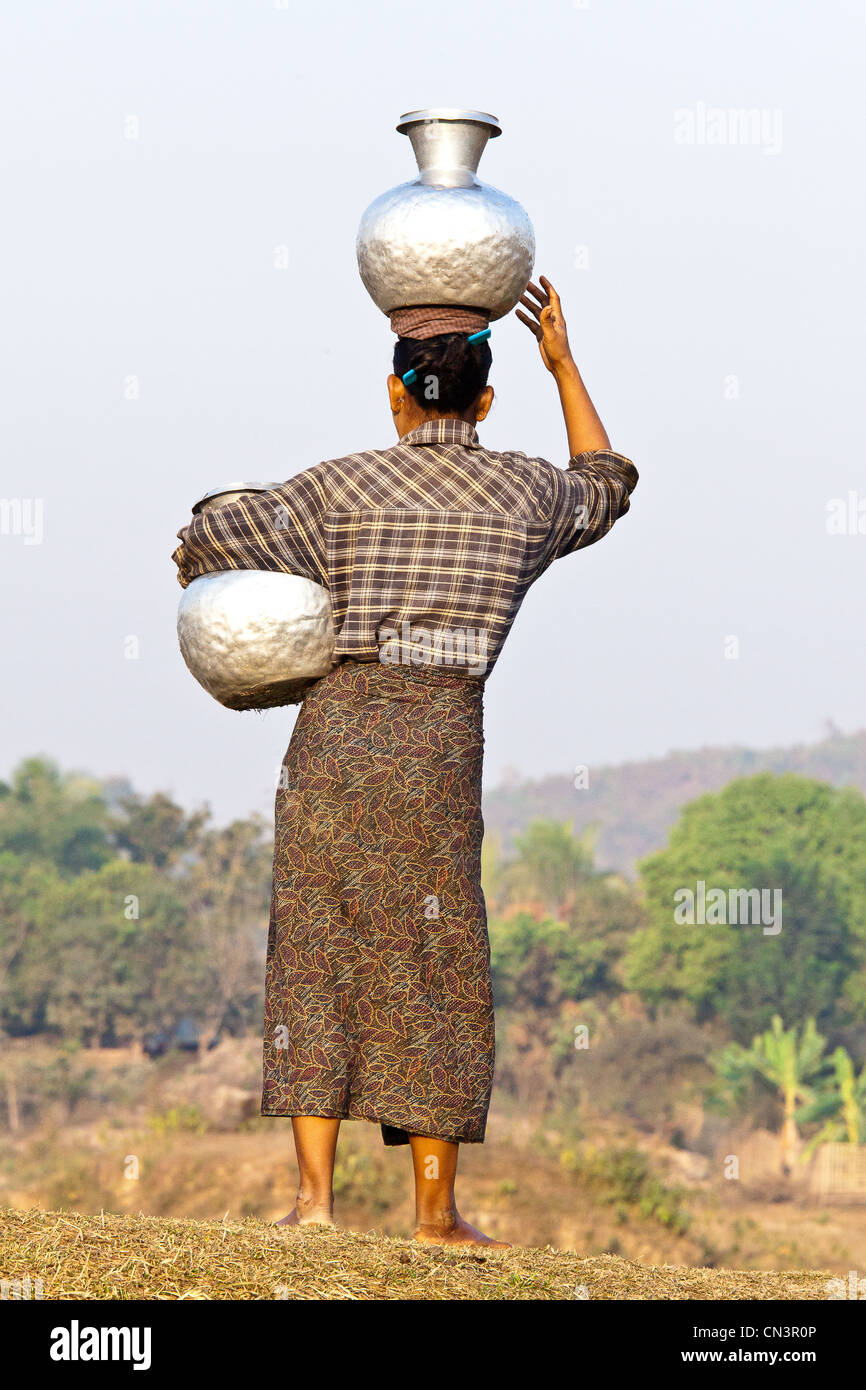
(156, 156)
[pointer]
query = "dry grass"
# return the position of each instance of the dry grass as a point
(142, 1257)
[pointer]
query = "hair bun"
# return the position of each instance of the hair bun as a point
(450, 372)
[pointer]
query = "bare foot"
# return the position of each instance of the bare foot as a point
(307, 1212)
(453, 1230)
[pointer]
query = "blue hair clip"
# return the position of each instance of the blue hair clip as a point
(411, 375)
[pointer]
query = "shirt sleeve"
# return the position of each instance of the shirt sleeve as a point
(591, 494)
(276, 530)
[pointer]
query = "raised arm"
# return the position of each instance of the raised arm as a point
(583, 426)
(593, 491)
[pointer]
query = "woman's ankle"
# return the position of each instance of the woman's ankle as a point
(439, 1219)
(314, 1202)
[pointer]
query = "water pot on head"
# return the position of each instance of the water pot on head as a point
(445, 237)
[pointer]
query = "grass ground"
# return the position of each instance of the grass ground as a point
(144, 1257)
(139, 1138)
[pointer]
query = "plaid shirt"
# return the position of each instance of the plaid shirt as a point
(427, 548)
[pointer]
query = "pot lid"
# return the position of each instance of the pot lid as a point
(450, 113)
(231, 487)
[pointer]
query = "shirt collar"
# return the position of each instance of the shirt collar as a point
(445, 431)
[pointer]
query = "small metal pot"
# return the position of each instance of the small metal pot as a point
(254, 639)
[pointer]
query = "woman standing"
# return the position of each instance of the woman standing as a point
(378, 997)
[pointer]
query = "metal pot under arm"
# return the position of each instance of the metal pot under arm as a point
(254, 639)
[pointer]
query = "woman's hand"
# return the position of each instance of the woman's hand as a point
(583, 427)
(548, 324)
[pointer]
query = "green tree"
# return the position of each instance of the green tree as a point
(228, 893)
(558, 925)
(528, 959)
(62, 818)
(549, 866)
(786, 834)
(120, 913)
(154, 830)
(121, 953)
(27, 961)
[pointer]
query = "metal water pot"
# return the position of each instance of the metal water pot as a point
(254, 639)
(445, 237)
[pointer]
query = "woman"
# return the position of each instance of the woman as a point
(378, 998)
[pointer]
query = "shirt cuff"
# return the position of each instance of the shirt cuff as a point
(592, 458)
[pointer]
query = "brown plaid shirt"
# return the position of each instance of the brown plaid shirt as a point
(428, 547)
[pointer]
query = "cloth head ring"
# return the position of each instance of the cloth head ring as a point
(429, 320)
(479, 337)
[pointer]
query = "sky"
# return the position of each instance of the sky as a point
(181, 307)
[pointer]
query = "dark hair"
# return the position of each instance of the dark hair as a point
(451, 372)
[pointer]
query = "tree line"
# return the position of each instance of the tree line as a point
(122, 914)
(116, 920)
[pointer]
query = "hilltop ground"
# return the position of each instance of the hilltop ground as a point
(127, 1257)
(180, 1141)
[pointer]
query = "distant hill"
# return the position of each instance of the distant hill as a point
(635, 804)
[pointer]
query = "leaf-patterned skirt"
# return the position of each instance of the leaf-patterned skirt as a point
(378, 1002)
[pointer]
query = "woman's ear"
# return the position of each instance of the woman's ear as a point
(396, 393)
(484, 402)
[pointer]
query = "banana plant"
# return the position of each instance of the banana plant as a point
(786, 1064)
(843, 1109)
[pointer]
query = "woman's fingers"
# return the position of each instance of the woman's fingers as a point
(546, 298)
(539, 293)
(530, 324)
(543, 300)
(547, 324)
(551, 292)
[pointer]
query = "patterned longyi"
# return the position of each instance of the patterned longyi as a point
(378, 997)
